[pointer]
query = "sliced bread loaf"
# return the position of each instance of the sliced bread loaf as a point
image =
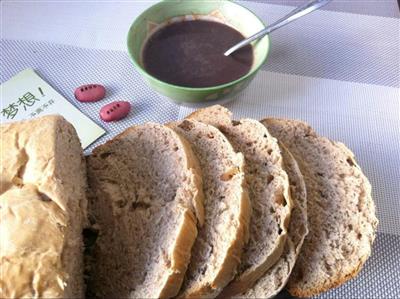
(341, 212)
(219, 245)
(277, 276)
(42, 210)
(147, 192)
(268, 189)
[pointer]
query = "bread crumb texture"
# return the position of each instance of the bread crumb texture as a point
(274, 280)
(268, 186)
(341, 211)
(219, 245)
(146, 202)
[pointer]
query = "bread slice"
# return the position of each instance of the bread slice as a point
(269, 193)
(341, 211)
(274, 280)
(42, 209)
(147, 194)
(219, 245)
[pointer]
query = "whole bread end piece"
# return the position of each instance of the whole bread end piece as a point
(43, 209)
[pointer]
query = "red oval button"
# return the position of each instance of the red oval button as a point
(115, 111)
(90, 93)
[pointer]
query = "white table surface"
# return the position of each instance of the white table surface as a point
(337, 69)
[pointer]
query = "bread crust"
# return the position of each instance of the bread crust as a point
(305, 293)
(180, 256)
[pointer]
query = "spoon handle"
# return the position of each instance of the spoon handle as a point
(293, 15)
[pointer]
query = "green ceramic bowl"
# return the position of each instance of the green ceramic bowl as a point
(225, 11)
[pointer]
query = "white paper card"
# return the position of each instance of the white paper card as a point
(26, 96)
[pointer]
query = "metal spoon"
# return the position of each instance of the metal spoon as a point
(293, 15)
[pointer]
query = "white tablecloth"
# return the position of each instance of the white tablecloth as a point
(338, 71)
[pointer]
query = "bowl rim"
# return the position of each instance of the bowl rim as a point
(198, 89)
